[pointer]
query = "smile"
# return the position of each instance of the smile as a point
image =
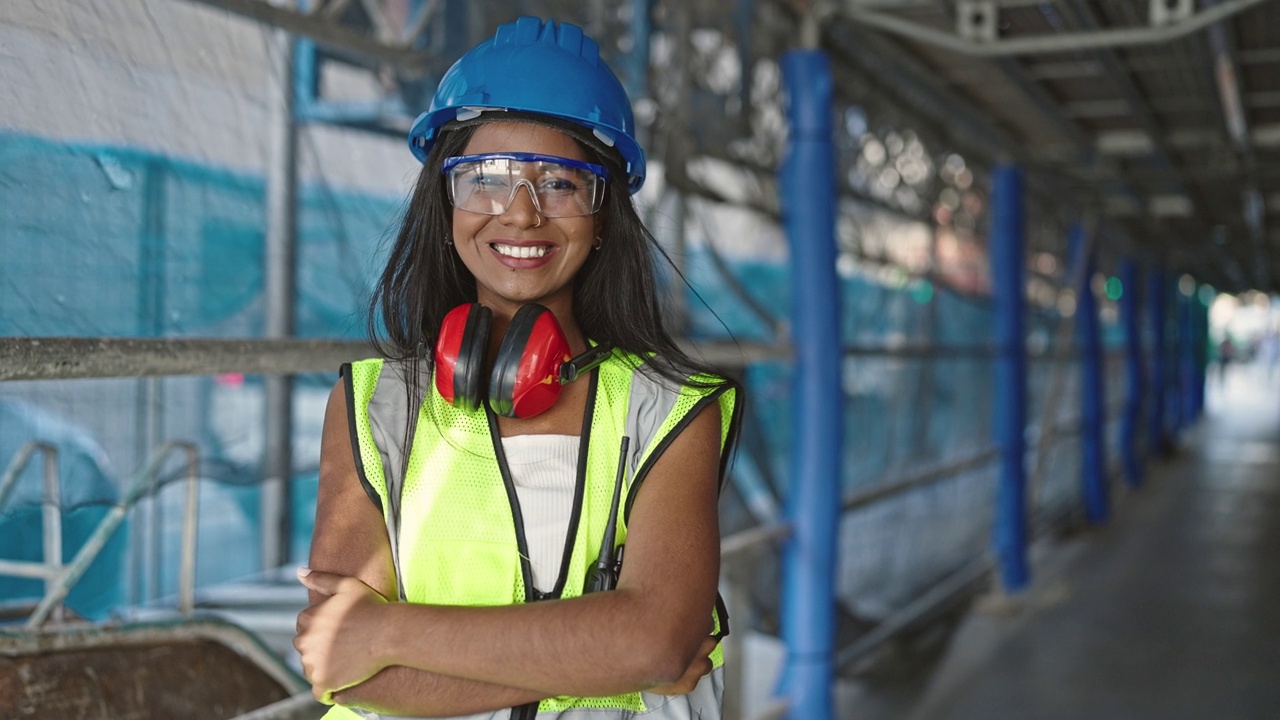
(521, 251)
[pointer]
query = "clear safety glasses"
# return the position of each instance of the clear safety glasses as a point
(560, 187)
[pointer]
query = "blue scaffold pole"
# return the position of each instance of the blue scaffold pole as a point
(1130, 318)
(637, 60)
(1186, 361)
(808, 203)
(1093, 418)
(1157, 439)
(1008, 280)
(1202, 350)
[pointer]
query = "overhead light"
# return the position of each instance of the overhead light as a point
(1121, 206)
(1125, 142)
(1266, 136)
(1165, 206)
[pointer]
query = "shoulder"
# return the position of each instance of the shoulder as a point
(365, 377)
(657, 404)
(649, 375)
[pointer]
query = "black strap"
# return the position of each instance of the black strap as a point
(722, 611)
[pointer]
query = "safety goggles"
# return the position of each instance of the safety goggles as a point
(560, 187)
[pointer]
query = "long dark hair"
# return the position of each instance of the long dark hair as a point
(615, 298)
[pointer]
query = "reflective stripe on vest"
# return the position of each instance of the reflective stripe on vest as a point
(452, 512)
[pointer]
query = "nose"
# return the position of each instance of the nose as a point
(520, 211)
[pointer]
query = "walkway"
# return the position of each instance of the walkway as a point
(1171, 613)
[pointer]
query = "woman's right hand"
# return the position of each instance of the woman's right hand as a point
(700, 666)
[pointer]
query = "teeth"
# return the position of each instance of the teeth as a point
(521, 251)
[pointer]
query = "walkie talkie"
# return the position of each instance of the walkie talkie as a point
(604, 575)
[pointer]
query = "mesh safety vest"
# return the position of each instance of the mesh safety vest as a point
(453, 516)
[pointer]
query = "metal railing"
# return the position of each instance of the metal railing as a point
(51, 515)
(60, 578)
(71, 358)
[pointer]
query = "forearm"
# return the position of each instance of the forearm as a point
(601, 644)
(406, 691)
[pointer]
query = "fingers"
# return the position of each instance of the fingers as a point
(707, 647)
(321, 582)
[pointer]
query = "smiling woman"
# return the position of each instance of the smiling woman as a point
(529, 416)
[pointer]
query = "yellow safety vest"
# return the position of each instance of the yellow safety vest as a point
(453, 516)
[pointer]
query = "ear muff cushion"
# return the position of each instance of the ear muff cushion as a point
(525, 377)
(460, 350)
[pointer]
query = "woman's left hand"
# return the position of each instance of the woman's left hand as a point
(338, 635)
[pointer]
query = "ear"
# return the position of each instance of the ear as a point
(601, 222)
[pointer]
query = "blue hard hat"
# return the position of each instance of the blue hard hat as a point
(538, 68)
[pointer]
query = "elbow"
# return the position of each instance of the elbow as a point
(663, 658)
(665, 670)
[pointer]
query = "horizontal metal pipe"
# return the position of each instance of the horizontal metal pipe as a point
(740, 542)
(330, 33)
(27, 569)
(1049, 43)
(963, 351)
(919, 351)
(939, 596)
(895, 486)
(68, 358)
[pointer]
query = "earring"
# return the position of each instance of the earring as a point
(599, 242)
(448, 242)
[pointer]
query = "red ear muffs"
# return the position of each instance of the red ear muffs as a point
(460, 349)
(533, 361)
(526, 373)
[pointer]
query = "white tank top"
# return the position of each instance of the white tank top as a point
(544, 469)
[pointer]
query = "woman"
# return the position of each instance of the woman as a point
(537, 450)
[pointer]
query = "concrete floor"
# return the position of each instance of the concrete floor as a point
(1171, 612)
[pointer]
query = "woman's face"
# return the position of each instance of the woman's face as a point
(520, 257)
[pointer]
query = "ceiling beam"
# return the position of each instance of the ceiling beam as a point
(1095, 38)
(903, 76)
(1259, 56)
(328, 33)
(1073, 70)
(1079, 14)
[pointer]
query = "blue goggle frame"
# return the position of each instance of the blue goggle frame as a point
(544, 204)
(599, 171)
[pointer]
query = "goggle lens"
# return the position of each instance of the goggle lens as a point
(560, 187)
